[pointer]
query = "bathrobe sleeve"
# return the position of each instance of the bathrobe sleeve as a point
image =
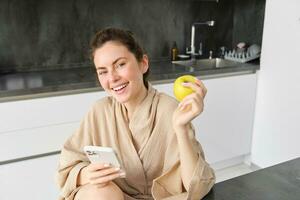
(169, 185)
(72, 158)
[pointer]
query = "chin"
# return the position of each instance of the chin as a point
(121, 99)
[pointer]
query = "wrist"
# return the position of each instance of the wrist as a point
(180, 130)
(180, 127)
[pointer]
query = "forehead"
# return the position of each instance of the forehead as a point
(110, 51)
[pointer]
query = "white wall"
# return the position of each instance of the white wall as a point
(276, 136)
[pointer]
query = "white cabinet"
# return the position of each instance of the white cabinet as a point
(41, 125)
(224, 129)
(39, 112)
(31, 179)
(33, 127)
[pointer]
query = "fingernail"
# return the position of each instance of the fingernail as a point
(106, 165)
(185, 84)
(122, 174)
(182, 107)
(117, 168)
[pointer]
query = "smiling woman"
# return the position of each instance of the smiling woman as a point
(151, 134)
(125, 39)
(120, 73)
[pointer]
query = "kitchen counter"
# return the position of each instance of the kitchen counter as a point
(278, 182)
(28, 85)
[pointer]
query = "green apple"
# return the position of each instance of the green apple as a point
(181, 91)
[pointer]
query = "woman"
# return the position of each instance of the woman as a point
(150, 131)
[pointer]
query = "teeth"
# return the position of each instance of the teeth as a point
(119, 87)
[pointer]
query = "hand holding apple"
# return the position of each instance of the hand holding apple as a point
(181, 91)
(190, 92)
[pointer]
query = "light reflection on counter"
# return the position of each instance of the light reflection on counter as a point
(21, 81)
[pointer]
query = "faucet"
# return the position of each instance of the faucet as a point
(192, 52)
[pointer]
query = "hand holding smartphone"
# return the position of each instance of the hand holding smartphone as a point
(105, 155)
(104, 166)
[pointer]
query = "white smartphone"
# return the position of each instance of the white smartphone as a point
(97, 154)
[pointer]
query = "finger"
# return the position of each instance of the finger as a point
(195, 96)
(185, 107)
(103, 172)
(201, 84)
(195, 87)
(98, 166)
(108, 178)
(191, 101)
(189, 105)
(193, 105)
(100, 185)
(188, 101)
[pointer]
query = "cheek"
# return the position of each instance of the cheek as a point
(134, 74)
(103, 82)
(126, 74)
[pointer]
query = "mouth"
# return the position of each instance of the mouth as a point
(120, 88)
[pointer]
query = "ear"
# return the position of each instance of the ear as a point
(144, 64)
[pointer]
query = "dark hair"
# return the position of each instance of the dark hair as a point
(126, 38)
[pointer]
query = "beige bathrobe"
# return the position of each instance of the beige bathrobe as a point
(146, 146)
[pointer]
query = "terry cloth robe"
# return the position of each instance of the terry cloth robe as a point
(146, 146)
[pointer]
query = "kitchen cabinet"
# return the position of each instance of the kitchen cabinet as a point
(39, 126)
(31, 179)
(34, 127)
(224, 129)
(42, 125)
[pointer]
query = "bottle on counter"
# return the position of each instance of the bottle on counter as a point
(174, 52)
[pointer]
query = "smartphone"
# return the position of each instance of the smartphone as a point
(97, 154)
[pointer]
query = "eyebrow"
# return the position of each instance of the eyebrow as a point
(112, 63)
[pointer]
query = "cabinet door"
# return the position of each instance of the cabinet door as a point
(40, 112)
(34, 141)
(39, 126)
(225, 127)
(31, 179)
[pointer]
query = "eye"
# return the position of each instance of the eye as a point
(120, 65)
(102, 73)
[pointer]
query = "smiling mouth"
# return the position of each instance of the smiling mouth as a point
(120, 87)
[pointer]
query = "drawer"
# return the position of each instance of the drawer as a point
(41, 112)
(28, 142)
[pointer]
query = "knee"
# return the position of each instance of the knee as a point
(110, 191)
(92, 192)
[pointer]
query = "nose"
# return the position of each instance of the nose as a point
(113, 76)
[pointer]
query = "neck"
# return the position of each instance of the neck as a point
(132, 105)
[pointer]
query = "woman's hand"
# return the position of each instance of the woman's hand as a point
(191, 106)
(99, 174)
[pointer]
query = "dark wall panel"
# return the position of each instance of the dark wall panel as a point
(248, 21)
(42, 34)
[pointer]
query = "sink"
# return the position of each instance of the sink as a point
(207, 63)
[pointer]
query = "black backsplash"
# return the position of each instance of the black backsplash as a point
(43, 34)
(248, 21)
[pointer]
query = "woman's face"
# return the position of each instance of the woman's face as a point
(119, 72)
